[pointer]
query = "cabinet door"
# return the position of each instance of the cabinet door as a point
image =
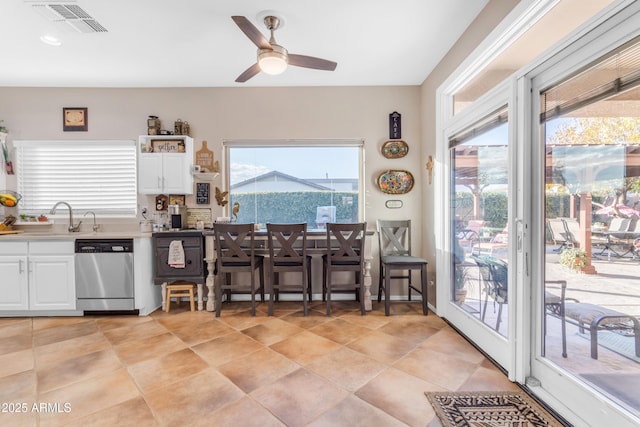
(14, 292)
(177, 176)
(52, 283)
(150, 173)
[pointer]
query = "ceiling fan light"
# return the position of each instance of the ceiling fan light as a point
(272, 62)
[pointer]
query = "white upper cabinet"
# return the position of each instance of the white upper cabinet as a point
(165, 164)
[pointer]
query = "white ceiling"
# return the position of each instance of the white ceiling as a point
(194, 43)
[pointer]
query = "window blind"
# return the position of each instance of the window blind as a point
(492, 121)
(609, 77)
(98, 176)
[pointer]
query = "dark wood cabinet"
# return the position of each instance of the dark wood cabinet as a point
(195, 269)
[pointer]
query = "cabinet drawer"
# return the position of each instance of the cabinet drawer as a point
(13, 248)
(194, 265)
(51, 247)
(187, 241)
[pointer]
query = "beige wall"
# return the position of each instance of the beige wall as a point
(216, 114)
(486, 21)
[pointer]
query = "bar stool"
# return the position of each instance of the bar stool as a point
(178, 290)
(288, 253)
(394, 238)
(235, 253)
(345, 252)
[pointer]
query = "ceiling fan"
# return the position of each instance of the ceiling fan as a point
(273, 58)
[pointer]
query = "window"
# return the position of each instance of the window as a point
(98, 176)
(314, 182)
(479, 202)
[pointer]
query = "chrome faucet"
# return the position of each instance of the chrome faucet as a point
(95, 226)
(72, 228)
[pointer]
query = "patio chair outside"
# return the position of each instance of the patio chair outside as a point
(557, 233)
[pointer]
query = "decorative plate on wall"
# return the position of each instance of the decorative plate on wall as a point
(394, 149)
(395, 182)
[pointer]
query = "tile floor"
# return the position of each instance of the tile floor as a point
(185, 368)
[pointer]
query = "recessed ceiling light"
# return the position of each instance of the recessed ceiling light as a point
(50, 40)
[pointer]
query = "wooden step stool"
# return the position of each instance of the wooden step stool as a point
(178, 290)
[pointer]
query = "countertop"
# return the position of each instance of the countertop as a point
(28, 235)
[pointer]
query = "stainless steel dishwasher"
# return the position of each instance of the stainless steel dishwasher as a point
(104, 276)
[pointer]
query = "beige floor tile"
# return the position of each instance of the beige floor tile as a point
(134, 412)
(400, 395)
(134, 332)
(13, 363)
(10, 327)
(411, 328)
(148, 348)
(299, 397)
(340, 331)
(242, 412)
(372, 320)
(113, 322)
(167, 369)
(191, 401)
(62, 330)
(88, 397)
(46, 355)
(260, 368)
(226, 348)
(177, 320)
(200, 332)
(40, 323)
(313, 318)
(438, 368)
(77, 369)
(488, 379)
(305, 347)
(15, 343)
(347, 368)
(242, 319)
(353, 411)
(450, 342)
(382, 347)
(20, 387)
(271, 331)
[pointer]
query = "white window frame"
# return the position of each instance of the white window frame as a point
(262, 143)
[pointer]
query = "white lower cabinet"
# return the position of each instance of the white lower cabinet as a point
(38, 276)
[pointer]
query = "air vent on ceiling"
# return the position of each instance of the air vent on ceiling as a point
(68, 13)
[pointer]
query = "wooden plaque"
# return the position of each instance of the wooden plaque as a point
(204, 158)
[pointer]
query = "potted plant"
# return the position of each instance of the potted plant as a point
(460, 280)
(573, 258)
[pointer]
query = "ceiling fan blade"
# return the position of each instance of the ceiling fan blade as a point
(248, 73)
(311, 62)
(252, 32)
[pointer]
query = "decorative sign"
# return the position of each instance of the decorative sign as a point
(204, 158)
(198, 214)
(393, 204)
(176, 199)
(395, 149)
(395, 125)
(161, 202)
(395, 182)
(202, 193)
(168, 146)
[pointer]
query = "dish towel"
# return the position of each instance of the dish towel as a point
(176, 254)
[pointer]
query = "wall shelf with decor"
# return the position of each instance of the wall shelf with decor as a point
(205, 176)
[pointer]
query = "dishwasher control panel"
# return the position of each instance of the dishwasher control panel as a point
(104, 246)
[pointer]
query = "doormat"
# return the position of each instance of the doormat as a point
(489, 409)
(621, 344)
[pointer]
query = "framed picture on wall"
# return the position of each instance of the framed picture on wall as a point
(75, 119)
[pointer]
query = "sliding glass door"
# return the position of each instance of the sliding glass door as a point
(586, 239)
